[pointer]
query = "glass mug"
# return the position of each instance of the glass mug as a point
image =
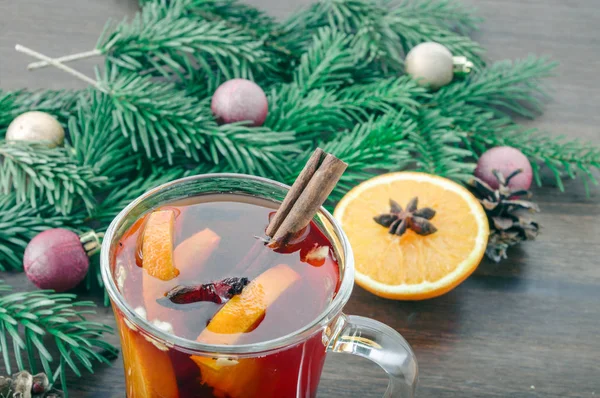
(289, 366)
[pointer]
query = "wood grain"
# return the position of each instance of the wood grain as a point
(525, 328)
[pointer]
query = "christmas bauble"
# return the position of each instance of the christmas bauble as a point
(55, 259)
(36, 126)
(240, 100)
(506, 160)
(431, 64)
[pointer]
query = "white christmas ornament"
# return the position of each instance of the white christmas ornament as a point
(431, 64)
(36, 127)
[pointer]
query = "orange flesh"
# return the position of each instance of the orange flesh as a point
(151, 374)
(244, 311)
(194, 251)
(157, 246)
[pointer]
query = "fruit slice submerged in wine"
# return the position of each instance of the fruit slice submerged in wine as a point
(150, 371)
(193, 252)
(157, 259)
(241, 314)
(157, 246)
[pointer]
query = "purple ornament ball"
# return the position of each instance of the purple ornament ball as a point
(239, 100)
(55, 259)
(505, 159)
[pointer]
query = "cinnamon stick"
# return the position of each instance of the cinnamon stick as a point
(310, 199)
(292, 196)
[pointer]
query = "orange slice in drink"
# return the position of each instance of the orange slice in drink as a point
(193, 252)
(413, 266)
(157, 259)
(157, 245)
(149, 372)
(237, 377)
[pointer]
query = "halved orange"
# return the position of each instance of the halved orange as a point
(412, 266)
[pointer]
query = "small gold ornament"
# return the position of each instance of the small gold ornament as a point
(433, 65)
(36, 126)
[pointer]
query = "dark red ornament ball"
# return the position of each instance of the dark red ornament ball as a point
(239, 100)
(505, 159)
(55, 259)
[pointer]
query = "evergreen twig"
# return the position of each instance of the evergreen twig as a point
(37, 173)
(95, 142)
(436, 144)
(372, 147)
(165, 40)
(28, 319)
(449, 14)
(505, 86)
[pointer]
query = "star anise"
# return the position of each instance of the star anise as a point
(399, 220)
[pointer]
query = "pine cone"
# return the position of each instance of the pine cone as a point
(509, 214)
(25, 385)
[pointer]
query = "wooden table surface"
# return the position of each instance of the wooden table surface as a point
(529, 327)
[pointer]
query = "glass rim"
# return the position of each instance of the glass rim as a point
(322, 320)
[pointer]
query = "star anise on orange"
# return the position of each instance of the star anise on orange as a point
(398, 220)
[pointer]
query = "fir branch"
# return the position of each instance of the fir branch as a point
(155, 115)
(255, 150)
(372, 147)
(328, 62)
(19, 223)
(38, 174)
(234, 12)
(447, 13)
(163, 39)
(95, 142)
(125, 191)
(385, 95)
(311, 114)
(503, 87)
(436, 145)
(362, 18)
(27, 318)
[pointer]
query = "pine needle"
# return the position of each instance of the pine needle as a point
(375, 146)
(28, 319)
(156, 117)
(328, 62)
(505, 87)
(436, 145)
(165, 40)
(310, 114)
(449, 14)
(385, 95)
(39, 174)
(125, 191)
(97, 143)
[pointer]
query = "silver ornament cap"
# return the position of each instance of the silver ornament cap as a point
(431, 64)
(36, 126)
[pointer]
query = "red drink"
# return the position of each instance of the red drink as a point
(216, 237)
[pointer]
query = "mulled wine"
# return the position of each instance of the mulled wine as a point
(200, 269)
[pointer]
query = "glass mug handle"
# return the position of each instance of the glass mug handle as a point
(381, 344)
